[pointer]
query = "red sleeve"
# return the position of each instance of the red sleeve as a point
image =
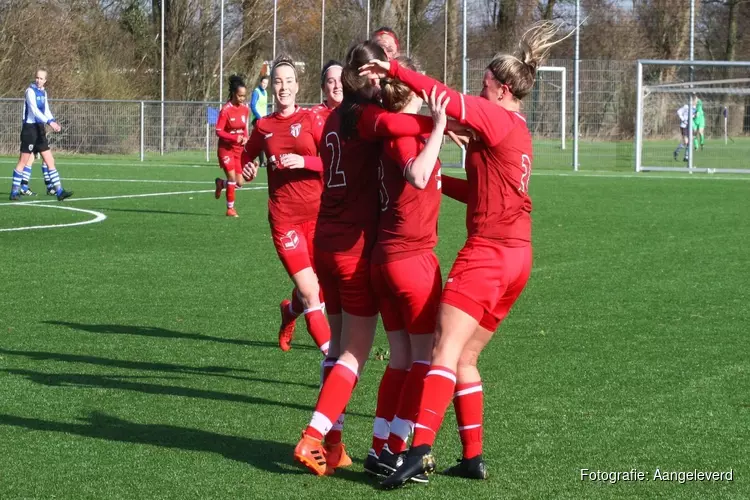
(455, 188)
(376, 122)
(402, 150)
(490, 120)
(254, 146)
(314, 163)
(221, 124)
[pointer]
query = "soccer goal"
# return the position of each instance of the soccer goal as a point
(693, 116)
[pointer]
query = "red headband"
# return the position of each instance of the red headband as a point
(390, 34)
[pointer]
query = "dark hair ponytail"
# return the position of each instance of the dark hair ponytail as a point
(358, 90)
(236, 82)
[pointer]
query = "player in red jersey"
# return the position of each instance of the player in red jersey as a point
(232, 130)
(388, 41)
(330, 83)
(491, 270)
(289, 137)
(405, 270)
(346, 232)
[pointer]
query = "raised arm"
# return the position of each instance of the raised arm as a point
(376, 122)
(490, 121)
(418, 171)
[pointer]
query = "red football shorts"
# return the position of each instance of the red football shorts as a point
(345, 282)
(294, 245)
(486, 280)
(229, 159)
(408, 292)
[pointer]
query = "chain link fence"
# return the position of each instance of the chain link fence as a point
(606, 120)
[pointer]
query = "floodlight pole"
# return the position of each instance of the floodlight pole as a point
(692, 79)
(408, 28)
(322, 40)
(161, 127)
(367, 35)
(464, 75)
(221, 52)
(445, 46)
(576, 87)
(275, 10)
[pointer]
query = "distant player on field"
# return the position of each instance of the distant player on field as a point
(290, 138)
(232, 130)
(259, 105)
(685, 120)
(36, 116)
(699, 125)
(492, 269)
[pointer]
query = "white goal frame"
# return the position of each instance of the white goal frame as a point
(681, 87)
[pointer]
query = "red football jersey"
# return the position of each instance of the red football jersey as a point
(498, 165)
(322, 110)
(293, 194)
(408, 216)
(232, 122)
(349, 206)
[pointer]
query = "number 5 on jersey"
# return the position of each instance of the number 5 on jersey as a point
(336, 177)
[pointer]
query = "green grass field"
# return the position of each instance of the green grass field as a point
(138, 354)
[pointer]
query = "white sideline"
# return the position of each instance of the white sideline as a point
(544, 173)
(98, 217)
(154, 181)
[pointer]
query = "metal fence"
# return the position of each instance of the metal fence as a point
(606, 120)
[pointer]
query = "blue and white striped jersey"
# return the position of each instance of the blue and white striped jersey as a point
(36, 108)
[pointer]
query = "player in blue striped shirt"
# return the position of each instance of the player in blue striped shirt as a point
(36, 116)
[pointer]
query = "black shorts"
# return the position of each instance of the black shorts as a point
(684, 132)
(34, 138)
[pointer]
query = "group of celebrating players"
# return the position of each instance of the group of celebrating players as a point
(354, 196)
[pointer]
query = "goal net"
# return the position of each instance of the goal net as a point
(693, 120)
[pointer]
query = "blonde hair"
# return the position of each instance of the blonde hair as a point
(518, 70)
(395, 94)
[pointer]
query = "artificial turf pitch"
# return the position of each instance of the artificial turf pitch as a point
(138, 355)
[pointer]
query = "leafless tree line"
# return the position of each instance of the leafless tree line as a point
(111, 48)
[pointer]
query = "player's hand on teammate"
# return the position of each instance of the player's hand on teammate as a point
(291, 160)
(459, 134)
(375, 67)
(437, 105)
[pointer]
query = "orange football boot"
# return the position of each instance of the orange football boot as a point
(286, 330)
(310, 453)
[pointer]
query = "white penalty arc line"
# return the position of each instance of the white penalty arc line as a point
(98, 217)
(126, 196)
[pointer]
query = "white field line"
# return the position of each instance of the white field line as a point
(154, 181)
(94, 163)
(124, 196)
(457, 172)
(98, 217)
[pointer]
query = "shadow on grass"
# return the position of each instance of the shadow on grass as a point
(213, 371)
(259, 453)
(133, 383)
(142, 211)
(150, 331)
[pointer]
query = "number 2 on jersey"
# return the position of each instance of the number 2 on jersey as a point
(526, 167)
(336, 177)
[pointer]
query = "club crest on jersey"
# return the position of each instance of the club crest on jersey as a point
(295, 129)
(290, 240)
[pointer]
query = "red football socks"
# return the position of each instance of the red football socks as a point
(436, 396)
(469, 401)
(388, 397)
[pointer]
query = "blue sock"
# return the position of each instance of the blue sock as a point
(54, 179)
(26, 176)
(17, 179)
(45, 174)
